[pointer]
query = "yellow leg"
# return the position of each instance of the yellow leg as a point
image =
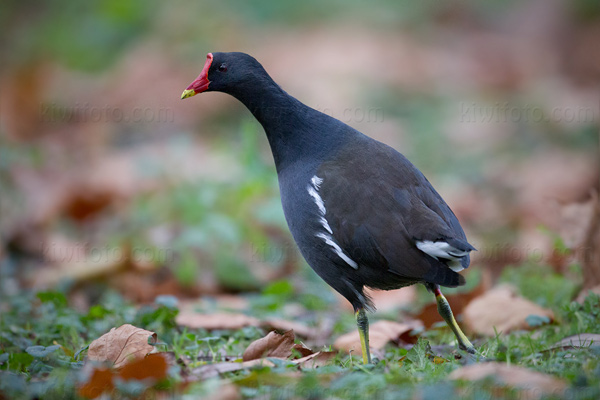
(363, 331)
(446, 313)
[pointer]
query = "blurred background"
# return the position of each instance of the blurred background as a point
(111, 184)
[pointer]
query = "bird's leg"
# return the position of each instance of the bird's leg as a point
(446, 313)
(362, 321)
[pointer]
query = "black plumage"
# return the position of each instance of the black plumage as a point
(361, 214)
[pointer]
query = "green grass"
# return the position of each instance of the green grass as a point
(47, 319)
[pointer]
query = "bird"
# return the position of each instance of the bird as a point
(361, 214)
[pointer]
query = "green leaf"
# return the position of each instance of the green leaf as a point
(57, 298)
(281, 288)
(419, 354)
(97, 312)
(76, 356)
(41, 351)
(20, 361)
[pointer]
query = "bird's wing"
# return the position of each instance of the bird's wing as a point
(387, 215)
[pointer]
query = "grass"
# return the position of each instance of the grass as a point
(46, 319)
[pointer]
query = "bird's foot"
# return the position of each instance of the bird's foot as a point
(470, 354)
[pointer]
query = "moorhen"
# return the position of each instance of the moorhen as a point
(361, 214)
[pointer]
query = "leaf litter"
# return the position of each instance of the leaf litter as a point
(121, 345)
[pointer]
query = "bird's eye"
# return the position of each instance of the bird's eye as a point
(223, 67)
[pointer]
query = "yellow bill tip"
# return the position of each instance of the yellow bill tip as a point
(187, 93)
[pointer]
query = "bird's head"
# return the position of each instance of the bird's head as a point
(225, 72)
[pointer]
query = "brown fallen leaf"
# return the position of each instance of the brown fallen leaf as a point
(533, 384)
(273, 345)
(380, 333)
(153, 366)
(302, 349)
(100, 381)
(502, 309)
(211, 322)
(583, 340)
(150, 370)
(121, 345)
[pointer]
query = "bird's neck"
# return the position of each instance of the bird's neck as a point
(269, 104)
(293, 129)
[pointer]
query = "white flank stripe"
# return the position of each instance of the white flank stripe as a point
(326, 225)
(318, 200)
(313, 191)
(329, 240)
(316, 181)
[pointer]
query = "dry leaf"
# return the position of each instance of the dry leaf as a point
(302, 349)
(210, 322)
(577, 341)
(153, 366)
(533, 384)
(100, 381)
(150, 369)
(121, 344)
(380, 333)
(316, 360)
(502, 309)
(273, 345)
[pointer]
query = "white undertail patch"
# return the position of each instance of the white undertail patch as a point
(443, 250)
(313, 191)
